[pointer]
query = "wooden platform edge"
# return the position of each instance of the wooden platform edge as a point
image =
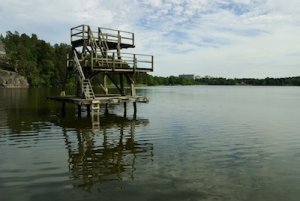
(102, 100)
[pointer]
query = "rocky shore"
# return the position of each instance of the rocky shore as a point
(9, 79)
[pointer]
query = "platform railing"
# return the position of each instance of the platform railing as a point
(127, 60)
(79, 32)
(115, 36)
(104, 34)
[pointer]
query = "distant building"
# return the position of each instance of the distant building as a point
(188, 76)
(197, 77)
(208, 77)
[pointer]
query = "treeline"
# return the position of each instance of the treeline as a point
(173, 80)
(43, 64)
(288, 81)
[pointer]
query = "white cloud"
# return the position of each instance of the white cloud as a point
(232, 38)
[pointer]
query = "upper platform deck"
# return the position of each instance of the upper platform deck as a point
(126, 63)
(83, 34)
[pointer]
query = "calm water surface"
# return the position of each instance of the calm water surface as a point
(188, 143)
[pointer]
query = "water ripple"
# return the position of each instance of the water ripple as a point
(235, 143)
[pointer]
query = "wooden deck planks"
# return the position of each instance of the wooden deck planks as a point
(102, 100)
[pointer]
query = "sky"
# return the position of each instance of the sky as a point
(220, 38)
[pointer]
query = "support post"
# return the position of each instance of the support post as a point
(132, 88)
(134, 110)
(106, 108)
(79, 110)
(88, 109)
(122, 84)
(132, 85)
(105, 84)
(63, 109)
(114, 62)
(134, 63)
(119, 46)
(125, 109)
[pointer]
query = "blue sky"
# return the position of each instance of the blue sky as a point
(221, 38)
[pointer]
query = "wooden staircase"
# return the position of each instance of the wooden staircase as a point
(98, 50)
(87, 89)
(86, 86)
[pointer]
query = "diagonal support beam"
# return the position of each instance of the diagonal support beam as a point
(116, 85)
(132, 84)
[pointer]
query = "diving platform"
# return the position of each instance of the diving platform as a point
(97, 60)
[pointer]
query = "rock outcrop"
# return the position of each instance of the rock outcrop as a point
(9, 79)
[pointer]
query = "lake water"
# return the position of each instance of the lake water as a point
(188, 143)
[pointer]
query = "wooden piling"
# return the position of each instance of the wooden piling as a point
(134, 110)
(63, 109)
(106, 108)
(79, 111)
(125, 109)
(88, 109)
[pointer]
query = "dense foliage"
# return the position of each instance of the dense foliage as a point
(44, 65)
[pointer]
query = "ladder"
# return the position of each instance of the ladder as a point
(96, 114)
(87, 89)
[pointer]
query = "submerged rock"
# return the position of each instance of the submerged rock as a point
(9, 79)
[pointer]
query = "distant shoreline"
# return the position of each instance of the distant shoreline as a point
(150, 80)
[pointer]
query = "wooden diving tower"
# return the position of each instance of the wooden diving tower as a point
(99, 53)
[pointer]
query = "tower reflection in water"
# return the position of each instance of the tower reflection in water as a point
(108, 154)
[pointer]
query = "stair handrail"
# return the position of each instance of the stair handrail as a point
(102, 39)
(78, 66)
(95, 46)
(103, 45)
(83, 80)
(92, 40)
(86, 92)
